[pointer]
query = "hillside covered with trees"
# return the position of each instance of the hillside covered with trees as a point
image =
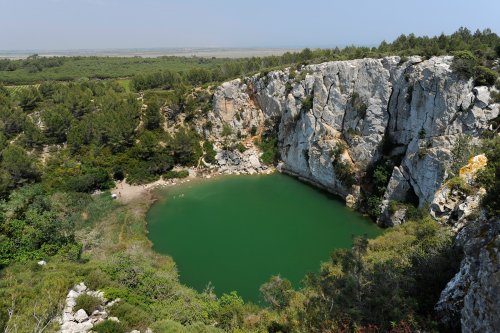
(73, 129)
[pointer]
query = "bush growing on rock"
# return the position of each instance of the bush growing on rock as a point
(489, 176)
(459, 184)
(209, 152)
(109, 326)
(483, 76)
(307, 103)
(253, 130)
(269, 147)
(88, 303)
(464, 63)
(241, 147)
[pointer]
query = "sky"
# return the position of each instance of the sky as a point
(108, 24)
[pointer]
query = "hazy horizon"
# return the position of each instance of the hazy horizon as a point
(63, 25)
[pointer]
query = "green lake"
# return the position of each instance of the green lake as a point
(238, 231)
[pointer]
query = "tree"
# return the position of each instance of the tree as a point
(152, 116)
(20, 165)
(57, 122)
(12, 120)
(198, 76)
(147, 146)
(29, 98)
(277, 292)
(231, 311)
(186, 147)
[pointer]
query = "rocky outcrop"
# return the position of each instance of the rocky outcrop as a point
(454, 205)
(471, 300)
(344, 117)
(235, 162)
(74, 320)
(77, 320)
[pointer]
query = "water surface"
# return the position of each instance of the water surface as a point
(237, 231)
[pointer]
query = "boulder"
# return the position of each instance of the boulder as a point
(350, 201)
(81, 315)
(80, 287)
(254, 161)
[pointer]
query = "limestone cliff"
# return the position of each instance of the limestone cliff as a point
(471, 300)
(359, 113)
(411, 111)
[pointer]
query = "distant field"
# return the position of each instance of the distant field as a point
(17, 88)
(104, 68)
(154, 53)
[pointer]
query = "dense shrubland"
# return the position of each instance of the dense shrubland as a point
(62, 141)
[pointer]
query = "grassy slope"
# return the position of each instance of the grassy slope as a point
(106, 229)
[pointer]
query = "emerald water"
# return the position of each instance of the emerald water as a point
(238, 231)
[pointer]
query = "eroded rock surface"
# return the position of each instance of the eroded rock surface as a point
(415, 110)
(471, 300)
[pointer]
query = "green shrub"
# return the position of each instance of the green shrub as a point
(307, 103)
(140, 174)
(488, 177)
(462, 150)
(168, 326)
(464, 63)
(483, 76)
(131, 316)
(241, 147)
(97, 279)
(210, 152)
(394, 206)
(269, 147)
(374, 203)
(344, 173)
(342, 169)
(253, 130)
(176, 174)
(459, 184)
(109, 326)
(88, 303)
(495, 97)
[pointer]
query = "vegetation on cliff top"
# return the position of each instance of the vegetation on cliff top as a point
(165, 72)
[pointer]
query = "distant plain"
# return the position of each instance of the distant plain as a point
(152, 53)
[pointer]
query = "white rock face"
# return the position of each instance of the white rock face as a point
(234, 162)
(470, 301)
(420, 107)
